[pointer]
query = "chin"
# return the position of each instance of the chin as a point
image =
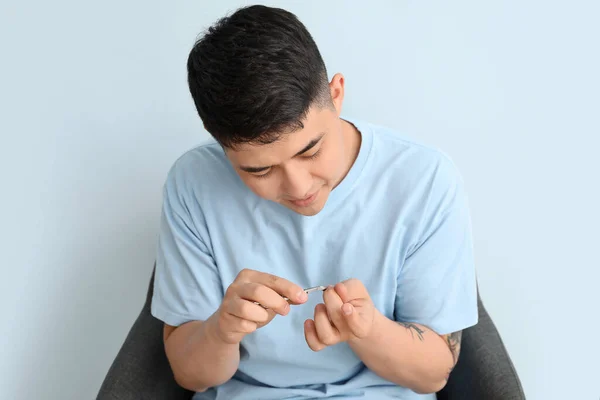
(307, 211)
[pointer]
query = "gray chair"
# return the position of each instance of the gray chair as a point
(141, 370)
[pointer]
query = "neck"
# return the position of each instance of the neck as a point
(352, 141)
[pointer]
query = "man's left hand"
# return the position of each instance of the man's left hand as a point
(346, 315)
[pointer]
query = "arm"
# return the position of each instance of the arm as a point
(207, 354)
(408, 354)
(185, 296)
(198, 358)
(436, 287)
(436, 284)
(422, 360)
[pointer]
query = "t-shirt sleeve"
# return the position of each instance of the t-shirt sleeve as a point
(437, 282)
(187, 286)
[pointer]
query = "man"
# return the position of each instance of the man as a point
(292, 196)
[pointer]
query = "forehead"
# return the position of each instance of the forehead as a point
(316, 123)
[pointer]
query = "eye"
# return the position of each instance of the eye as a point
(264, 175)
(313, 156)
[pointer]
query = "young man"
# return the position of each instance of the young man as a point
(292, 196)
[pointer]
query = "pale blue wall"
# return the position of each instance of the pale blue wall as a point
(94, 109)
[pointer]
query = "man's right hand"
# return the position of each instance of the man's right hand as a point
(239, 314)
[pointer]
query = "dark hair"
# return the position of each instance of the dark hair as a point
(254, 75)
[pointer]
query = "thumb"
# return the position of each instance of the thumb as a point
(354, 321)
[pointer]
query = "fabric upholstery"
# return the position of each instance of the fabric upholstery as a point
(484, 369)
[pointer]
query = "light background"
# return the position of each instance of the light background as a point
(94, 109)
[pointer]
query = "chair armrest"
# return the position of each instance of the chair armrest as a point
(484, 369)
(141, 369)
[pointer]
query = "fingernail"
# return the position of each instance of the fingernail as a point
(301, 296)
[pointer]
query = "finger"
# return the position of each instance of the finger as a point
(326, 332)
(240, 325)
(281, 286)
(247, 310)
(351, 289)
(354, 321)
(333, 303)
(310, 334)
(271, 314)
(265, 296)
(342, 291)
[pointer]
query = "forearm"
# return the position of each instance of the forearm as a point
(409, 355)
(198, 358)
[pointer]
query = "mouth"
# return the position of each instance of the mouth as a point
(305, 201)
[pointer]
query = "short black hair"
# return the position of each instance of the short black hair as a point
(254, 75)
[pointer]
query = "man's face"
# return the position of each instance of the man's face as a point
(301, 168)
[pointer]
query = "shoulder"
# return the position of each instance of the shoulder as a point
(199, 173)
(410, 164)
(198, 163)
(418, 182)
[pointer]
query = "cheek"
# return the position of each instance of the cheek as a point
(330, 167)
(266, 189)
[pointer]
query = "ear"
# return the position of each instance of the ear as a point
(336, 89)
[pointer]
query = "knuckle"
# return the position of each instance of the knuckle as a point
(326, 336)
(231, 289)
(222, 323)
(352, 282)
(255, 291)
(224, 309)
(244, 273)
(328, 339)
(247, 326)
(273, 279)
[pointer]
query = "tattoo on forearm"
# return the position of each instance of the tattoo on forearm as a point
(453, 341)
(412, 328)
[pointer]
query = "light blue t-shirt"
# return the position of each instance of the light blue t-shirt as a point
(399, 222)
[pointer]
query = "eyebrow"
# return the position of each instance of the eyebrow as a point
(306, 148)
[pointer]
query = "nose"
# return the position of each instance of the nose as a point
(297, 183)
